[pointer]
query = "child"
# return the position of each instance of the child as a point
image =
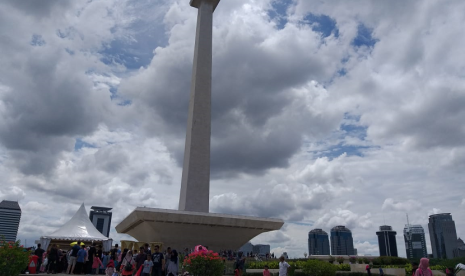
(105, 259)
(266, 272)
(147, 266)
(95, 265)
(110, 269)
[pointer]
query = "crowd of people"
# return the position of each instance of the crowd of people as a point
(92, 260)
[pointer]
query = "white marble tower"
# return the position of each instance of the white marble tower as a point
(195, 185)
(192, 224)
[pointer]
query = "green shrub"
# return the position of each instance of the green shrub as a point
(452, 263)
(13, 258)
(274, 264)
(343, 267)
(353, 260)
(319, 268)
(360, 260)
(340, 260)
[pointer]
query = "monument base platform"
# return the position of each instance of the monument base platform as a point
(184, 229)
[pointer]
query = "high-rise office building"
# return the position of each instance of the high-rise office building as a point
(460, 251)
(443, 236)
(10, 215)
(261, 249)
(387, 241)
(415, 244)
(101, 219)
(246, 248)
(318, 242)
(341, 241)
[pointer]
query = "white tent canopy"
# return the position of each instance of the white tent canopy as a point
(78, 228)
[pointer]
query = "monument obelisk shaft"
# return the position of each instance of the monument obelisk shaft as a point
(195, 185)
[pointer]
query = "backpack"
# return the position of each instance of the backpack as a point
(128, 266)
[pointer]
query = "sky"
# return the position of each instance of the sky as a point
(324, 113)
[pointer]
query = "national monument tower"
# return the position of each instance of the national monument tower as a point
(192, 224)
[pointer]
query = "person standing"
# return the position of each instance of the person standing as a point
(158, 262)
(172, 269)
(115, 254)
(167, 259)
(414, 268)
(39, 252)
(147, 266)
(240, 263)
(52, 259)
(283, 266)
(81, 260)
(266, 272)
(423, 269)
(90, 259)
(127, 264)
(96, 265)
(368, 269)
(147, 250)
(73, 258)
(141, 258)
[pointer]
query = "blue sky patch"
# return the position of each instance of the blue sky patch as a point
(37, 40)
(79, 144)
(354, 131)
(278, 12)
(322, 24)
(136, 51)
(364, 37)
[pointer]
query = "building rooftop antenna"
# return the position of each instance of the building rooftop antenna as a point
(408, 227)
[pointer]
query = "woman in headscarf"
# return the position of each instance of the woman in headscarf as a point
(423, 268)
(173, 264)
(127, 264)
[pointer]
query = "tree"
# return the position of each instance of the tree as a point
(13, 258)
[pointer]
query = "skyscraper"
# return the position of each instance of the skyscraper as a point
(261, 249)
(10, 215)
(443, 236)
(460, 251)
(415, 244)
(101, 219)
(318, 242)
(387, 241)
(341, 241)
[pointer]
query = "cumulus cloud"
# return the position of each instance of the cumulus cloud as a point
(288, 201)
(408, 205)
(344, 217)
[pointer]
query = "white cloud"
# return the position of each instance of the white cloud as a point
(408, 205)
(344, 217)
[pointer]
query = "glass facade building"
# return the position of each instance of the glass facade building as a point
(443, 236)
(341, 241)
(387, 241)
(318, 242)
(10, 215)
(415, 244)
